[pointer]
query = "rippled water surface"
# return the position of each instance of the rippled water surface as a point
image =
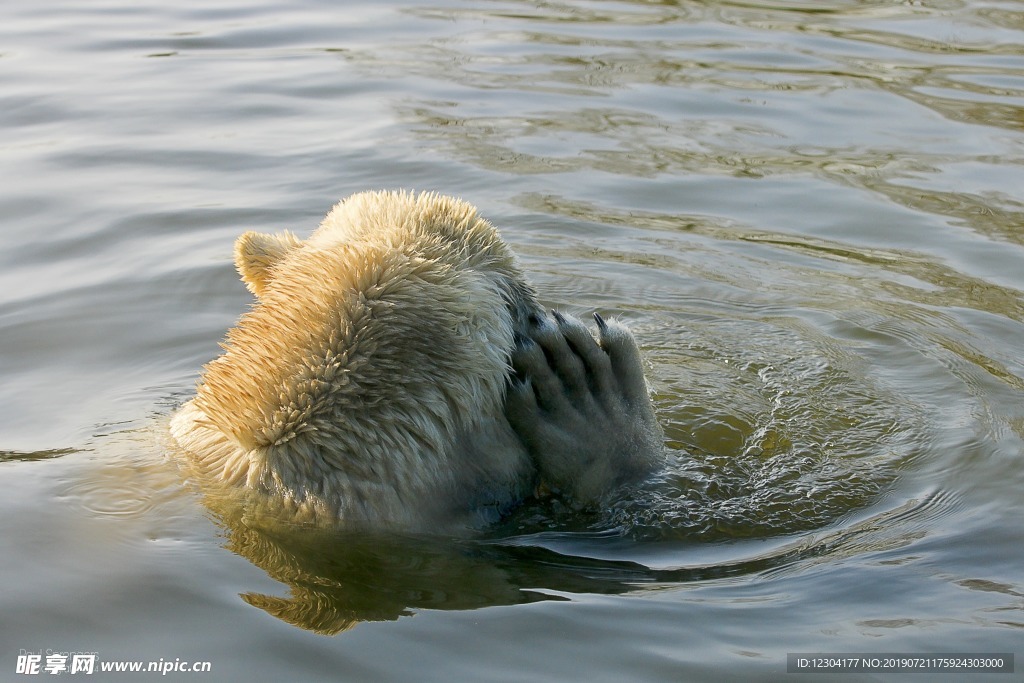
(809, 213)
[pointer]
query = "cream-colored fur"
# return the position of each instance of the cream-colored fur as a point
(366, 385)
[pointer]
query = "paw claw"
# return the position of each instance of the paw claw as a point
(580, 405)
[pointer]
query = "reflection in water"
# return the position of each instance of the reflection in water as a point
(21, 456)
(335, 579)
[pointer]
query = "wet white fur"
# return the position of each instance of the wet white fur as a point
(366, 384)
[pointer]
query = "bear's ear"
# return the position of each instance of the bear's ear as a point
(256, 253)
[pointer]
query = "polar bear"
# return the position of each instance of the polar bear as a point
(367, 386)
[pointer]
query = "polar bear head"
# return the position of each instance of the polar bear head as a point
(376, 352)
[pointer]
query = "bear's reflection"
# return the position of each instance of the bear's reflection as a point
(337, 579)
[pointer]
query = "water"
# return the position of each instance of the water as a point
(809, 214)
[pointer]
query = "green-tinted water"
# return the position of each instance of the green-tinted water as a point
(809, 214)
